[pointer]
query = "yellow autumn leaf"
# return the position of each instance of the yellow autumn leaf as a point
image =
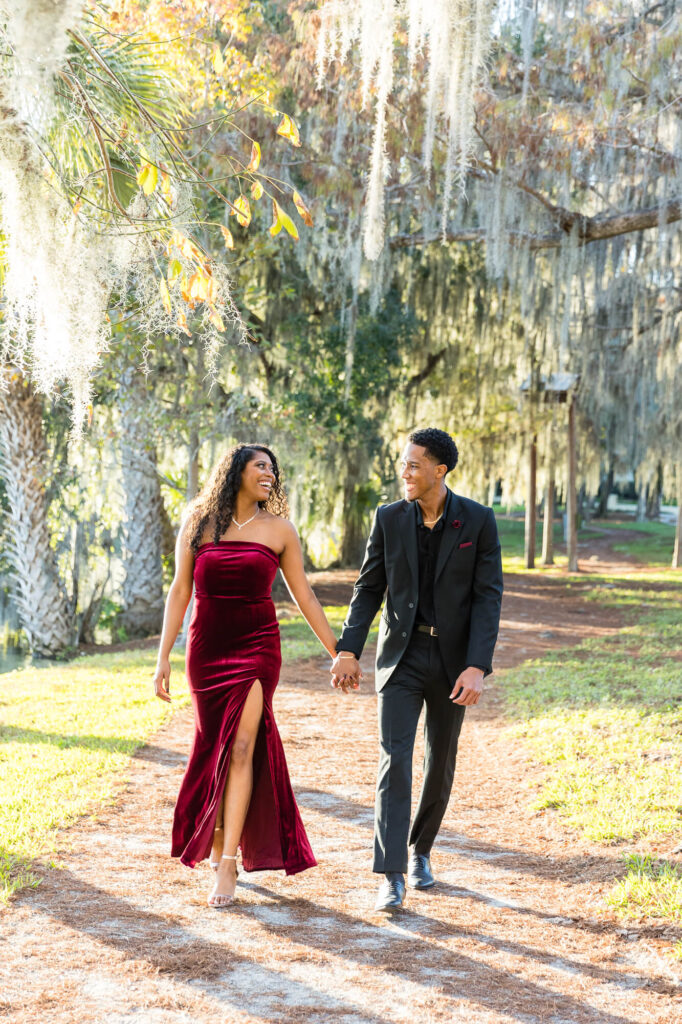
(303, 210)
(254, 162)
(182, 324)
(218, 61)
(147, 177)
(282, 220)
(288, 130)
(244, 210)
(165, 296)
(165, 183)
(216, 319)
(185, 245)
(174, 270)
(227, 235)
(198, 286)
(256, 190)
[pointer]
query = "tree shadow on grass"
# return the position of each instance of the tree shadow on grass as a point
(113, 744)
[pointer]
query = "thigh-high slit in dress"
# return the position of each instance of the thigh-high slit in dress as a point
(233, 640)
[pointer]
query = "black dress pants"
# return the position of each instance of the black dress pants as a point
(419, 679)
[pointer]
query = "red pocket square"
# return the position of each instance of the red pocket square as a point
(466, 544)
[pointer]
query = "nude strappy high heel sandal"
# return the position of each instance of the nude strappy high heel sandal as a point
(221, 895)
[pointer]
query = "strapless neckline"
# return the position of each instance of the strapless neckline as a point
(242, 543)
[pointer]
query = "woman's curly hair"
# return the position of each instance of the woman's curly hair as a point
(216, 502)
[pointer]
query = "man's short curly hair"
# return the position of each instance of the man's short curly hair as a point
(438, 444)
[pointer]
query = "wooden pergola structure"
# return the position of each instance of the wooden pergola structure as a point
(557, 389)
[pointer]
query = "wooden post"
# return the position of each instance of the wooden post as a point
(677, 550)
(531, 504)
(571, 492)
(548, 525)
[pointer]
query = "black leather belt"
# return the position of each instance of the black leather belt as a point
(431, 630)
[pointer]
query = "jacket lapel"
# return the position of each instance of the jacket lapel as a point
(408, 531)
(451, 535)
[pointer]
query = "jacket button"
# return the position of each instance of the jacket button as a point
(404, 635)
(410, 605)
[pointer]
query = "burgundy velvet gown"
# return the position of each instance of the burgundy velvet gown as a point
(233, 640)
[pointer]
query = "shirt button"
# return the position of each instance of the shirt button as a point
(410, 605)
(404, 635)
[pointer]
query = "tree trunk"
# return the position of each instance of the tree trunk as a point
(531, 505)
(548, 524)
(354, 524)
(47, 616)
(642, 500)
(571, 492)
(653, 505)
(677, 550)
(605, 488)
(142, 613)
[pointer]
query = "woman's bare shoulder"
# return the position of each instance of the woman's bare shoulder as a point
(282, 528)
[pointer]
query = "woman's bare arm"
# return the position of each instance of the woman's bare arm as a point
(176, 605)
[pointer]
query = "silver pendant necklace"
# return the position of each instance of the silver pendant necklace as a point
(246, 523)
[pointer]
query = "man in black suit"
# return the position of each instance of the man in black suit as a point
(436, 557)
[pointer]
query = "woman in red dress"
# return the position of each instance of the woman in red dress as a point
(236, 790)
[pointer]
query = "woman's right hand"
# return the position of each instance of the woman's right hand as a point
(162, 680)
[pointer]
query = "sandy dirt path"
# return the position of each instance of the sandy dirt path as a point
(513, 932)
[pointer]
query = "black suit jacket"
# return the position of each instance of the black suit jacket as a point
(467, 587)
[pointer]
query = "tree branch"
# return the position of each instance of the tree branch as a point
(589, 229)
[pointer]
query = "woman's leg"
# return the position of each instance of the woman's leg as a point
(238, 791)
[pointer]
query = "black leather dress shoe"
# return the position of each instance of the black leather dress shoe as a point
(419, 874)
(391, 892)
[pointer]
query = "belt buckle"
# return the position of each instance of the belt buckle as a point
(433, 631)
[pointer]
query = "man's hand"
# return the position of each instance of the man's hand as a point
(468, 687)
(345, 672)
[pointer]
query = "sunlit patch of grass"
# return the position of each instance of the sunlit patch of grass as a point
(653, 542)
(651, 888)
(605, 717)
(65, 731)
(299, 641)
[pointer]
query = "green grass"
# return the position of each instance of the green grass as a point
(650, 888)
(605, 717)
(653, 544)
(65, 732)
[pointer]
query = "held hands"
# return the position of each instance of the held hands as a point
(162, 680)
(468, 687)
(345, 672)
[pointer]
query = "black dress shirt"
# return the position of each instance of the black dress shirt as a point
(428, 546)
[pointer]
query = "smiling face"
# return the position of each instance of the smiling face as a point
(258, 477)
(421, 476)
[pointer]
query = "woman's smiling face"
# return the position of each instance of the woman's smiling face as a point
(258, 477)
